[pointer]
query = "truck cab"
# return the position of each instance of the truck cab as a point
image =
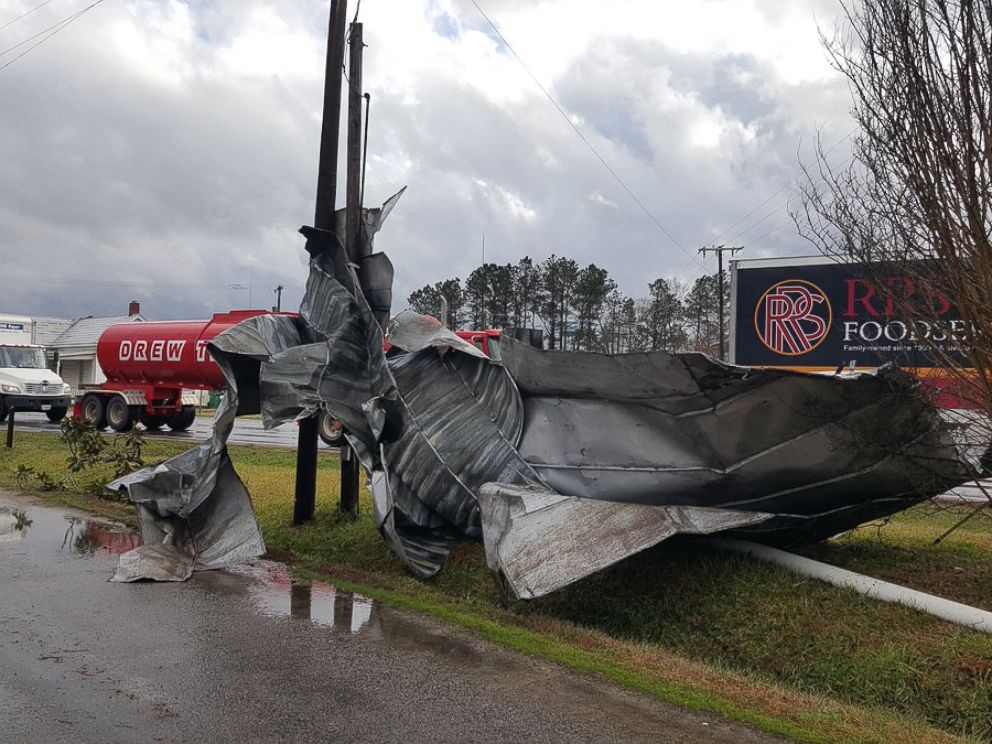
(26, 383)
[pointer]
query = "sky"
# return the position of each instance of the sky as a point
(166, 150)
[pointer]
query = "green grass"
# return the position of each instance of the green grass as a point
(702, 629)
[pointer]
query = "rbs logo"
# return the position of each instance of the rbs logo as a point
(793, 317)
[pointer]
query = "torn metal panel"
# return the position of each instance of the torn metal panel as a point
(462, 416)
(156, 562)
(194, 507)
(195, 512)
(702, 432)
(539, 541)
(578, 459)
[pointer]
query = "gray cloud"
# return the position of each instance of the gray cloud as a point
(169, 192)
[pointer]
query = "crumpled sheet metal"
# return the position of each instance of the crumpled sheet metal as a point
(193, 509)
(577, 459)
(539, 541)
(817, 451)
(462, 416)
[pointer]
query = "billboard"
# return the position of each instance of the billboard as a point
(814, 313)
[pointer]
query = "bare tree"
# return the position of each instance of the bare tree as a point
(914, 201)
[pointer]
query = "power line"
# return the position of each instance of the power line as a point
(784, 186)
(232, 286)
(58, 26)
(748, 228)
(581, 136)
(63, 21)
(24, 14)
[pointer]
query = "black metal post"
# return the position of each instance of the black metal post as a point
(306, 448)
(719, 271)
(350, 468)
(10, 427)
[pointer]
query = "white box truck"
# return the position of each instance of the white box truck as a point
(26, 382)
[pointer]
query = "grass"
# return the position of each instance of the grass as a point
(706, 630)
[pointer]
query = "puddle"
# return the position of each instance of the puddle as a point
(87, 536)
(269, 587)
(44, 528)
(14, 523)
(274, 592)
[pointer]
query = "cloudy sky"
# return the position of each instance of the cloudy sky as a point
(166, 150)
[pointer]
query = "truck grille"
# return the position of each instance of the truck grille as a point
(37, 388)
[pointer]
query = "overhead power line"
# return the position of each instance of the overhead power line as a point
(582, 136)
(54, 29)
(784, 186)
(25, 14)
(151, 283)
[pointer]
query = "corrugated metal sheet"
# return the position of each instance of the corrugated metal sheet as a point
(577, 459)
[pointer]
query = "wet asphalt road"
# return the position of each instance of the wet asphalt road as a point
(255, 656)
(246, 431)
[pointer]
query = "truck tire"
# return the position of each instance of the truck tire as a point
(3, 410)
(119, 414)
(330, 430)
(182, 421)
(152, 422)
(56, 414)
(93, 411)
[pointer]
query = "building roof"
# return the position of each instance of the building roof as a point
(47, 329)
(86, 331)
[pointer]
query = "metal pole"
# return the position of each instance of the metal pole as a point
(719, 250)
(719, 269)
(306, 448)
(10, 428)
(350, 468)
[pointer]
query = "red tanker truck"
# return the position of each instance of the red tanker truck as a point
(152, 371)
(154, 368)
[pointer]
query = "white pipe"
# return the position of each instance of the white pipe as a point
(945, 609)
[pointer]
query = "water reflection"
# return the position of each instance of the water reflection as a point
(14, 523)
(276, 593)
(85, 537)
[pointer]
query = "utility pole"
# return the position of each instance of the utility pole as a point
(350, 468)
(278, 291)
(719, 250)
(327, 173)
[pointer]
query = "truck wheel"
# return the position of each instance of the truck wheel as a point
(330, 430)
(93, 411)
(119, 414)
(152, 422)
(182, 421)
(56, 414)
(3, 410)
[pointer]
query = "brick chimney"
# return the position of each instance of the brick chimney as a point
(134, 308)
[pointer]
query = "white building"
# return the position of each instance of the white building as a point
(75, 347)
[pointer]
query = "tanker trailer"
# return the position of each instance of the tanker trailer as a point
(153, 370)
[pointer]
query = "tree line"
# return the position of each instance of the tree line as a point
(580, 308)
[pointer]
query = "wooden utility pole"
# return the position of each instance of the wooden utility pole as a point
(327, 174)
(719, 250)
(278, 290)
(356, 248)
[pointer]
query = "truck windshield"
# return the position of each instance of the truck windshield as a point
(23, 357)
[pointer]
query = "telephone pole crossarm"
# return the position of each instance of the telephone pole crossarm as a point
(719, 250)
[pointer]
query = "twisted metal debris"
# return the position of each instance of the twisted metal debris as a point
(563, 463)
